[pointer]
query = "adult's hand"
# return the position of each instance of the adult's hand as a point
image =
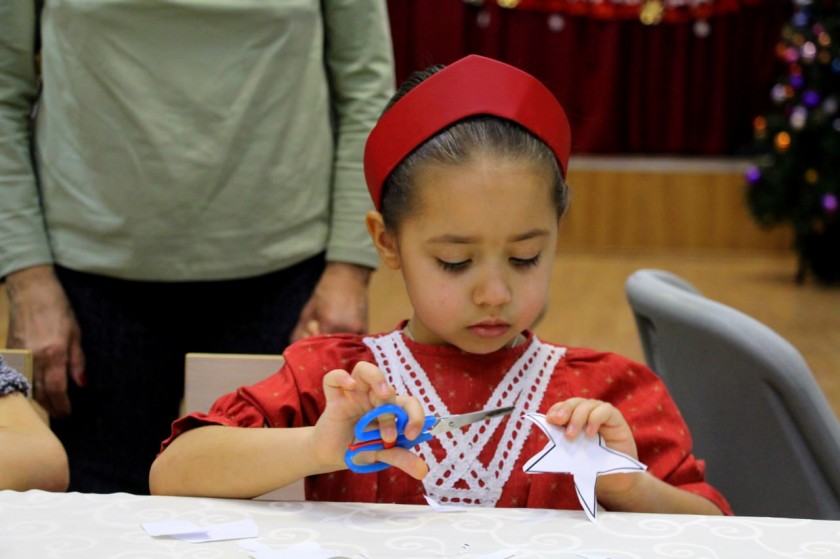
(41, 320)
(338, 304)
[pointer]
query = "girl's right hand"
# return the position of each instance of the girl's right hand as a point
(349, 396)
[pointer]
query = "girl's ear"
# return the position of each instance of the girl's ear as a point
(383, 239)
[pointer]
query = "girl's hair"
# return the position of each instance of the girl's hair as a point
(455, 145)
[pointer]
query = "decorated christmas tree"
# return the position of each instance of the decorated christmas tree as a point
(796, 180)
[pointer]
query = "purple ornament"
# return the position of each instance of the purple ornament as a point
(797, 80)
(829, 203)
(753, 174)
(778, 93)
(811, 98)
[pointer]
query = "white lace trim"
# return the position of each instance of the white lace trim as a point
(523, 387)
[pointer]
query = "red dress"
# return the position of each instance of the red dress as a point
(461, 382)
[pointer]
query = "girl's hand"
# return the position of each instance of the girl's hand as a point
(349, 396)
(591, 417)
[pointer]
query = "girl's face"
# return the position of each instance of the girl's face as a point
(476, 251)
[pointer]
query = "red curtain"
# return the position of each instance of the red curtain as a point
(628, 88)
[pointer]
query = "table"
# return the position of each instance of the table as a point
(41, 525)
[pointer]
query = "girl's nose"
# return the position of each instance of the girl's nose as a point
(492, 290)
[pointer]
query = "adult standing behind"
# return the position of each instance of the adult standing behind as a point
(191, 181)
(32, 457)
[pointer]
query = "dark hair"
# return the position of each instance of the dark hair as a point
(455, 145)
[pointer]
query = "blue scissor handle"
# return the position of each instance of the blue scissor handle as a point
(363, 436)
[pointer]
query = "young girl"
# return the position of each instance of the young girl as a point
(466, 170)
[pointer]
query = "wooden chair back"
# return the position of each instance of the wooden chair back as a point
(19, 360)
(211, 375)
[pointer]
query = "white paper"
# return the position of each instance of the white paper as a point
(443, 508)
(170, 528)
(585, 458)
(189, 532)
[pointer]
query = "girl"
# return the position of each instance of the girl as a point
(466, 170)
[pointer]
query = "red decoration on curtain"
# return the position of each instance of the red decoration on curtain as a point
(666, 11)
(627, 88)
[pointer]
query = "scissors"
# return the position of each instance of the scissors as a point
(372, 440)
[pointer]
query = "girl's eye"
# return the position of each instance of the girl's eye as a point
(526, 262)
(452, 266)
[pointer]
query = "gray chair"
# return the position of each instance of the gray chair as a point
(757, 416)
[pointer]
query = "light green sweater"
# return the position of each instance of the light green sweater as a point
(184, 140)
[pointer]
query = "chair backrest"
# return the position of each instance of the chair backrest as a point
(756, 414)
(211, 375)
(21, 361)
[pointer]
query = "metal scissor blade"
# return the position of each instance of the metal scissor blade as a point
(454, 422)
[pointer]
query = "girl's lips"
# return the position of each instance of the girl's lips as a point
(489, 330)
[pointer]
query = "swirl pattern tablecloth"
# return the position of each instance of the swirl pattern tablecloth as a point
(41, 525)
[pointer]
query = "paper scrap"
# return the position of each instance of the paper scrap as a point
(189, 532)
(585, 458)
(170, 528)
(444, 508)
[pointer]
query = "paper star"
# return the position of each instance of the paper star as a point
(585, 458)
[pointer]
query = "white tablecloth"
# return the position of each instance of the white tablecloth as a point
(39, 525)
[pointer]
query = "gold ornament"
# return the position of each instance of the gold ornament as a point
(789, 91)
(782, 141)
(824, 39)
(508, 3)
(652, 11)
(811, 176)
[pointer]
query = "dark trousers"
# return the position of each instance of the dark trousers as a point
(135, 336)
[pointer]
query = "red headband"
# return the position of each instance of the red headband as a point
(473, 85)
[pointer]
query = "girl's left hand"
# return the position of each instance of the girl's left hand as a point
(591, 417)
